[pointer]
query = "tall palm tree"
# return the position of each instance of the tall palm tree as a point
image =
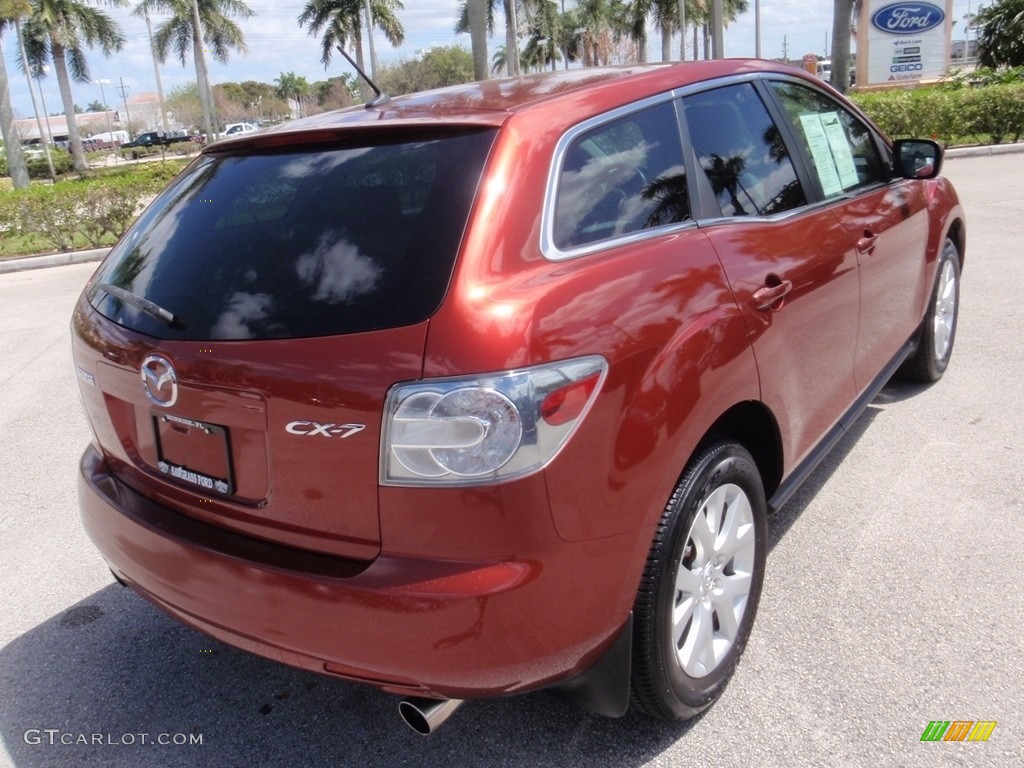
(292, 86)
(10, 11)
(342, 23)
(545, 32)
(512, 9)
(198, 26)
(58, 31)
(592, 27)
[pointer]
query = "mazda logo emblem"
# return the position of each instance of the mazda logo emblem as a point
(159, 381)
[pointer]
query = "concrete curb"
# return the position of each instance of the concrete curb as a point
(22, 263)
(988, 149)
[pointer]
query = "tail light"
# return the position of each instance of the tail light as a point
(485, 429)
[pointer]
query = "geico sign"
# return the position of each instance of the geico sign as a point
(907, 18)
(906, 67)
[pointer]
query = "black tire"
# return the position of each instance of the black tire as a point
(938, 331)
(676, 681)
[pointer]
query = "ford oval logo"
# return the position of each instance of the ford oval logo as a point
(907, 18)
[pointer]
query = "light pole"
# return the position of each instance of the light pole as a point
(106, 110)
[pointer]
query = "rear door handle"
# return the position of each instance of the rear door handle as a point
(771, 296)
(866, 244)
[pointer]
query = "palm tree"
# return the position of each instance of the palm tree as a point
(476, 21)
(545, 32)
(197, 26)
(591, 28)
(512, 9)
(842, 28)
(342, 22)
(699, 15)
(10, 10)
(58, 31)
(292, 86)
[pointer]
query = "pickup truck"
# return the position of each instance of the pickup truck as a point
(154, 141)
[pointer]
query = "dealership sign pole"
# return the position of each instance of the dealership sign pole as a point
(903, 43)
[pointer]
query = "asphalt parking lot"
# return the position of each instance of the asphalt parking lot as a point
(893, 593)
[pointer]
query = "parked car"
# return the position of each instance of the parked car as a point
(490, 389)
(233, 129)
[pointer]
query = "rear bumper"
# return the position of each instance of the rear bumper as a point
(439, 628)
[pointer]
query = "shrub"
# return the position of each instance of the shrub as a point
(108, 208)
(996, 110)
(951, 111)
(52, 211)
(38, 168)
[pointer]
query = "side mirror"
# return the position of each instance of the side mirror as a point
(917, 159)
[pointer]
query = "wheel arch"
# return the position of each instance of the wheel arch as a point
(752, 425)
(957, 233)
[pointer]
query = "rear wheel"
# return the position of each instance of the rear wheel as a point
(700, 589)
(935, 345)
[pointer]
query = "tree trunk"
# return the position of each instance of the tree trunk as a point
(202, 78)
(666, 43)
(365, 93)
(12, 141)
(156, 70)
(477, 12)
(60, 67)
(368, 13)
(511, 39)
(841, 29)
(682, 30)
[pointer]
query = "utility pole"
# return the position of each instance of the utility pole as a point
(127, 114)
(785, 48)
(757, 29)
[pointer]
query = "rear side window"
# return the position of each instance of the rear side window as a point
(841, 148)
(741, 151)
(290, 244)
(621, 177)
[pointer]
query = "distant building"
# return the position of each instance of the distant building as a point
(957, 53)
(143, 115)
(55, 127)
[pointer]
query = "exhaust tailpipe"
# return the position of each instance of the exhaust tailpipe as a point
(427, 715)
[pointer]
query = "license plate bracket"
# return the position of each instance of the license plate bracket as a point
(195, 453)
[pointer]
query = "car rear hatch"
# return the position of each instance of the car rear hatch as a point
(235, 348)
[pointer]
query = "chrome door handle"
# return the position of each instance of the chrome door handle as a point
(772, 296)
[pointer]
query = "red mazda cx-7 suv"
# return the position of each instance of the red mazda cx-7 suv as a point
(490, 389)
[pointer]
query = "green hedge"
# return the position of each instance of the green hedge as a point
(949, 114)
(77, 213)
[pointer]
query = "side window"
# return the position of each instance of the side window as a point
(741, 151)
(621, 177)
(841, 148)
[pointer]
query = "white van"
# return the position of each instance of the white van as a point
(108, 140)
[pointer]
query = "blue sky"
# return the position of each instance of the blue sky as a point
(277, 44)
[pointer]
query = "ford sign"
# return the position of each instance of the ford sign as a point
(907, 18)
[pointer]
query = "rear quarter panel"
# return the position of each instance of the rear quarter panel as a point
(659, 311)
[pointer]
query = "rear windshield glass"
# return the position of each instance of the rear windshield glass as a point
(290, 244)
